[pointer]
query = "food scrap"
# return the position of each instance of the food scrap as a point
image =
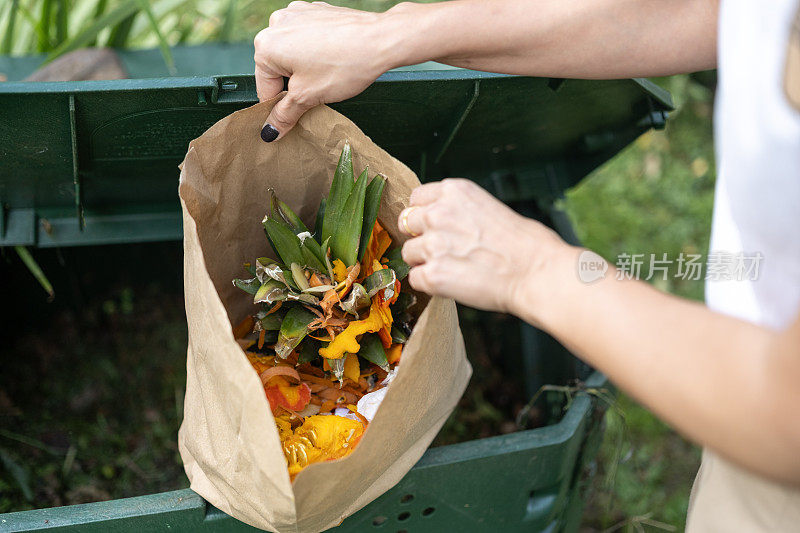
(331, 318)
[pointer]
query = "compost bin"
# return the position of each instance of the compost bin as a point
(95, 162)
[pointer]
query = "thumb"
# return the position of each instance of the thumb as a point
(284, 116)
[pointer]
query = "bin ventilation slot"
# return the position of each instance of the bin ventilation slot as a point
(234, 90)
(456, 125)
(541, 506)
(3, 219)
(76, 178)
(554, 84)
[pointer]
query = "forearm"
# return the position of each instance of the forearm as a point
(723, 382)
(563, 38)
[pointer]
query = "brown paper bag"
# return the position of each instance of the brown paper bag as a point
(228, 440)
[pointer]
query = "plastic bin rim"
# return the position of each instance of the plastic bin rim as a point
(551, 435)
(199, 82)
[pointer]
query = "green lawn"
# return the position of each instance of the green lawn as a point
(654, 197)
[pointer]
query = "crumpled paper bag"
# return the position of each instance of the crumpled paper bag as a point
(228, 440)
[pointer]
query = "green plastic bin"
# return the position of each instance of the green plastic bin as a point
(95, 162)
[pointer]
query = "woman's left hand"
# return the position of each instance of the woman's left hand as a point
(469, 246)
(329, 54)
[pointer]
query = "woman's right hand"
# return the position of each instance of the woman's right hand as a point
(328, 53)
(469, 246)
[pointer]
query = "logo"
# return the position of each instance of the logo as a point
(591, 267)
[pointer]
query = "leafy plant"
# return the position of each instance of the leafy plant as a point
(28, 260)
(56, 27)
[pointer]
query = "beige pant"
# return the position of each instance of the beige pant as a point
(726, 498)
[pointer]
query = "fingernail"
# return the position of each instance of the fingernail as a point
(268, 133)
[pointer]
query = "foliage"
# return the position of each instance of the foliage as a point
(26, 257)
(54, 27)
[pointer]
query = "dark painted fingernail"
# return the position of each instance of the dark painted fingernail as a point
(268, 133)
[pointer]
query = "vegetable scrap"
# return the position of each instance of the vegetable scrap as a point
(331, 318)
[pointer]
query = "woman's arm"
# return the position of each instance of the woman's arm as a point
(601, 39)
(723, 382)
(332, 53)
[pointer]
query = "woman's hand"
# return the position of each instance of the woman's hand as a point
(328, 53)
(468, 246)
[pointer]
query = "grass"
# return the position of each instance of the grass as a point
(654, 197)
(645, 470)
(75, 385)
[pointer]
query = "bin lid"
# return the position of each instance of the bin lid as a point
(95, 162)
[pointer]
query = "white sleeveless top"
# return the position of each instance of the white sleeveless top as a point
(756, 213)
